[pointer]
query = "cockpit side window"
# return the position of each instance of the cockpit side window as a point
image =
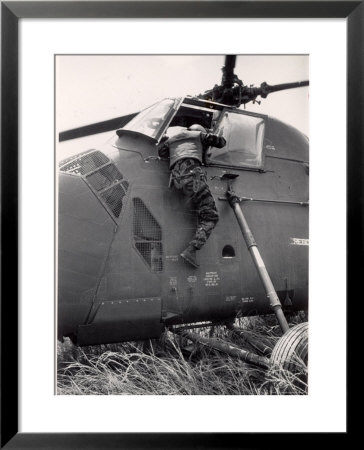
(154, 120)
(244, 134)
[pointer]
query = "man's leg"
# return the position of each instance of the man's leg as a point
(207, 220)
(207, 215)
(184, 179)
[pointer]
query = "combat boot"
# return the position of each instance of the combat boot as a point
(189, 255)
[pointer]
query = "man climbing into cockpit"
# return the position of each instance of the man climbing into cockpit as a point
(186, 149)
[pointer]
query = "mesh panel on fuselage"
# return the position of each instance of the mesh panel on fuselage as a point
(147, 236)
(101, 175)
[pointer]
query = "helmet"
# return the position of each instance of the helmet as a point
(197, 127)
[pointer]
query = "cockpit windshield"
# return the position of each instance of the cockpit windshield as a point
(154, 120)
(244, 136)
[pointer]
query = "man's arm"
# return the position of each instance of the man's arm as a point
(212, 140)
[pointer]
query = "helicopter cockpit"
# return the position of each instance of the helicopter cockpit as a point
(243, 131)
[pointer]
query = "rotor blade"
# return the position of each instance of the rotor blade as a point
(95, 128)
(284, 86)
(265, 89)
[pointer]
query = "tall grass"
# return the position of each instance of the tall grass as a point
(165, 368)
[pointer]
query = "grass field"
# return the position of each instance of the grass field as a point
(164, 368)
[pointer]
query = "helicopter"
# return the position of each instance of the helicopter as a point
(121, 228)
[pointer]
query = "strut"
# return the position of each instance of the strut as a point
(225, 347)
(271, 293)
(260, 346)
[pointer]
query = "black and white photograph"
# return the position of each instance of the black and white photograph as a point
(182, 224)
(181, 198)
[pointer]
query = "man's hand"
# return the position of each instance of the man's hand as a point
(212, 140)
(163, 149)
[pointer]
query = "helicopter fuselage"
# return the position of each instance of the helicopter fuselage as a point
(121, 228)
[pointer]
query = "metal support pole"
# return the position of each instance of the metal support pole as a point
(226, 347)
(274, 302)
(260, 266)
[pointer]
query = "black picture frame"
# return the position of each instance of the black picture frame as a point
(11, 12)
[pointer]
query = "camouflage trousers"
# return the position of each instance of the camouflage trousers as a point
(187, 176)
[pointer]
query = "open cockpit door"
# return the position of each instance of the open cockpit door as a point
(152, 122)
(244, 134)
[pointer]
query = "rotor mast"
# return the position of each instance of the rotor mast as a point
(233, 92)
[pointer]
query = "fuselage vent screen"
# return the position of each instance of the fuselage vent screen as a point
(147, 236)
(102, 177)
(84, 163)
(113, 198)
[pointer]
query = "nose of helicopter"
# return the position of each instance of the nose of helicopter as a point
(85, 231)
